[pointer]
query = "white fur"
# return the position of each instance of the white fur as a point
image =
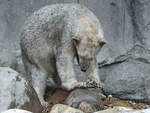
(47, 44)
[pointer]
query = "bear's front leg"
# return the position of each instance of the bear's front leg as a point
(64, 64)
(93, 77)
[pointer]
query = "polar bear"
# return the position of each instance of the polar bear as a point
(52, 38)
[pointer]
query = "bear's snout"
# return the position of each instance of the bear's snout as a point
(84, 65)
(83, 69)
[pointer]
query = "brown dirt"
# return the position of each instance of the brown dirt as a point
(111, 102)
(59, 96)
(55, 97)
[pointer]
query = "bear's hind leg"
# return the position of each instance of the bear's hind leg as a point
(37, 78)
(39, 84)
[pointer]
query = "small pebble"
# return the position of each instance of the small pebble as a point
(109, 96)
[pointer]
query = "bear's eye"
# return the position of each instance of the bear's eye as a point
(101, 43)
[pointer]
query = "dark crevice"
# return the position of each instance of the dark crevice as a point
(129, 55)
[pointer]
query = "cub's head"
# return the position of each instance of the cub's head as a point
(87, 48)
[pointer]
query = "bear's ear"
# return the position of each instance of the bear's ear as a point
(76, 40)
(102, 42)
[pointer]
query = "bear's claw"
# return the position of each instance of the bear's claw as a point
(95, 84)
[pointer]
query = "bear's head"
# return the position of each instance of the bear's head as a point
(88, 38)
(87, 48)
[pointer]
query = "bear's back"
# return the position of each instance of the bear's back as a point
(40, 28)
(51, 13)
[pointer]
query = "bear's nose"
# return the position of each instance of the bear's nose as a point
(83, 69)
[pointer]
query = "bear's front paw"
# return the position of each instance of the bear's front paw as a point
(81, 84)
(95, 83)
(72, 85)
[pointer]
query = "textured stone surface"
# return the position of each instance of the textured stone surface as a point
(127, 76)
(123, 110)
(129, 80)
(86, 107)
(139, 11)
(7, 57)
(16, 111)
(60, 108)
(16, 92)
(137, 52)
(89, 97)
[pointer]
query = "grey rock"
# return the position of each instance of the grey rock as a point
(7, 57)
(16, 92)
(16, 111)
(123, 110)
(128, 80)
(138, 52)
(85, 97)
(80, 75)
(86, 107)
(60, 108)
(139, 11)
